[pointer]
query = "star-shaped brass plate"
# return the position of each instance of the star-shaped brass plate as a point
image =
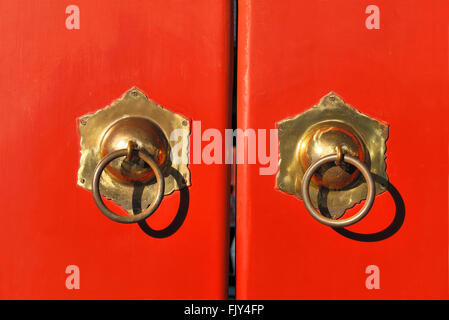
(371, 133)
(136, 105)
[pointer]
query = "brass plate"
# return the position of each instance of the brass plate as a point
(292, 131)
(92, 128)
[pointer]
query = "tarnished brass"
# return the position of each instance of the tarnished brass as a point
(145, 213)
(144, 134)
(148, 126)
(331, 127)
(371, 193)
(326, 138)
(339, 155)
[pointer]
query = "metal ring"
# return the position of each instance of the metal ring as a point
(344, 222)
(145, 213)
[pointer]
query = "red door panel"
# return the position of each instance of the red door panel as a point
(179, 54)
(291, 54)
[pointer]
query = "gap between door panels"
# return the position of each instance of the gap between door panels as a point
(232, 206)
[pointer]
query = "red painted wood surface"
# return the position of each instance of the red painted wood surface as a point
(180, 54)
(292, 53)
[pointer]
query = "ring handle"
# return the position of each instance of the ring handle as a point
(96, 187)
(369, 199)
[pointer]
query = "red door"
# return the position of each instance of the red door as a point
(388, 59)
(54, 69)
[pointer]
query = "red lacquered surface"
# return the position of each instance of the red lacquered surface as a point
(292, 53)
(179, 53)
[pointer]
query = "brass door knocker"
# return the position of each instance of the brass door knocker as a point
(329, 157)
(136, 129)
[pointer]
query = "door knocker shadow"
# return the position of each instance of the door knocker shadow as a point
(390, 230)
(180, 215)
